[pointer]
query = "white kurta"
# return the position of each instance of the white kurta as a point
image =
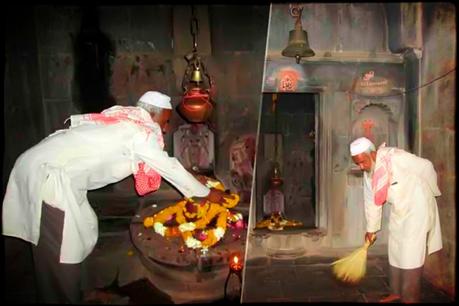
(414, 223)
(65, 165)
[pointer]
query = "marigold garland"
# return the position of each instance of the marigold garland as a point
(193, 222)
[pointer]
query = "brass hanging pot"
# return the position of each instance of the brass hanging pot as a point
(196, 105)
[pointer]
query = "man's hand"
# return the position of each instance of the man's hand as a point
(216, 196)
(371, 237)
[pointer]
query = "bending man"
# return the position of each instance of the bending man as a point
(46, 198)
(409, 183)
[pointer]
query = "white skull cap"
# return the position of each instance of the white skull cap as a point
(157, 99)
(360, 145)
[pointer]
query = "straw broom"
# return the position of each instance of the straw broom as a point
(352, 268)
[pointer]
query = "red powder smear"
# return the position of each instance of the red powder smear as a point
(288, 80)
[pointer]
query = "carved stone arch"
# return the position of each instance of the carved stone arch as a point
(376, 122)
(382, 106)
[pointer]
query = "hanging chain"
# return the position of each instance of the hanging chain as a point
(194, 61)
(194, 27)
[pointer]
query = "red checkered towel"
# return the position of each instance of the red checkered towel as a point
(146, 181)
(382, 174)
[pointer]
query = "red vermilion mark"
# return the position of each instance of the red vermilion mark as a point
(367, 125)
(288, 80)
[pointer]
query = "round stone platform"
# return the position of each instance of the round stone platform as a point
(183, 273)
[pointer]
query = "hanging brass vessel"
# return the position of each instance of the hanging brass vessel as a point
(196, 105)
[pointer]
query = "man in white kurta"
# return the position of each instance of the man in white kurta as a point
(90, 154)
(409, 184)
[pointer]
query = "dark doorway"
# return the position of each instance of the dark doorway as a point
(294, 121)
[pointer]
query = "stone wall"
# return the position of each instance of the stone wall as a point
(437, 129)
(149, 44)
(22, 106)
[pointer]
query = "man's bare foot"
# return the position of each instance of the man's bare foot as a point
(390, 298)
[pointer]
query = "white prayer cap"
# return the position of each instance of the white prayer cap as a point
(360, 145)
(157, 99)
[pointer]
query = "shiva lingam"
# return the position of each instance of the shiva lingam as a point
(170, 263)
(274, 203)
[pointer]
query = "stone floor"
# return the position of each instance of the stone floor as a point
(307, 279)
(116, 270)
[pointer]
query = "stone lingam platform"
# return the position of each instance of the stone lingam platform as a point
(185, 274)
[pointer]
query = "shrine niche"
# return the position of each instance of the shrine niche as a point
(194, 147)
(285, 174)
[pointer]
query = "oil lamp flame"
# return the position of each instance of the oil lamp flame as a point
(235, 263)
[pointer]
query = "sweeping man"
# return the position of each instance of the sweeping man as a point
(409, 184)
(46, 198)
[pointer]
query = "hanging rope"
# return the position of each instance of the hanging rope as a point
(419, 87)
(274, 108)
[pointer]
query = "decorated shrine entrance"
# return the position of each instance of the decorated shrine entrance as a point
(286, 171)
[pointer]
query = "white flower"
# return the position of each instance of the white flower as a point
(159, 228)
(211, 184)
(185, 227)
(193, 243)
(219, 232)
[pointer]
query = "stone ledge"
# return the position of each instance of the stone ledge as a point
(308, 232)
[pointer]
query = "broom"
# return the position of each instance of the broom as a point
(352, 268)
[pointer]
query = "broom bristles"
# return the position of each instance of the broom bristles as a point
(352, 268)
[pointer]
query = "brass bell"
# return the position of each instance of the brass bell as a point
(196, 76)
(298, 45)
